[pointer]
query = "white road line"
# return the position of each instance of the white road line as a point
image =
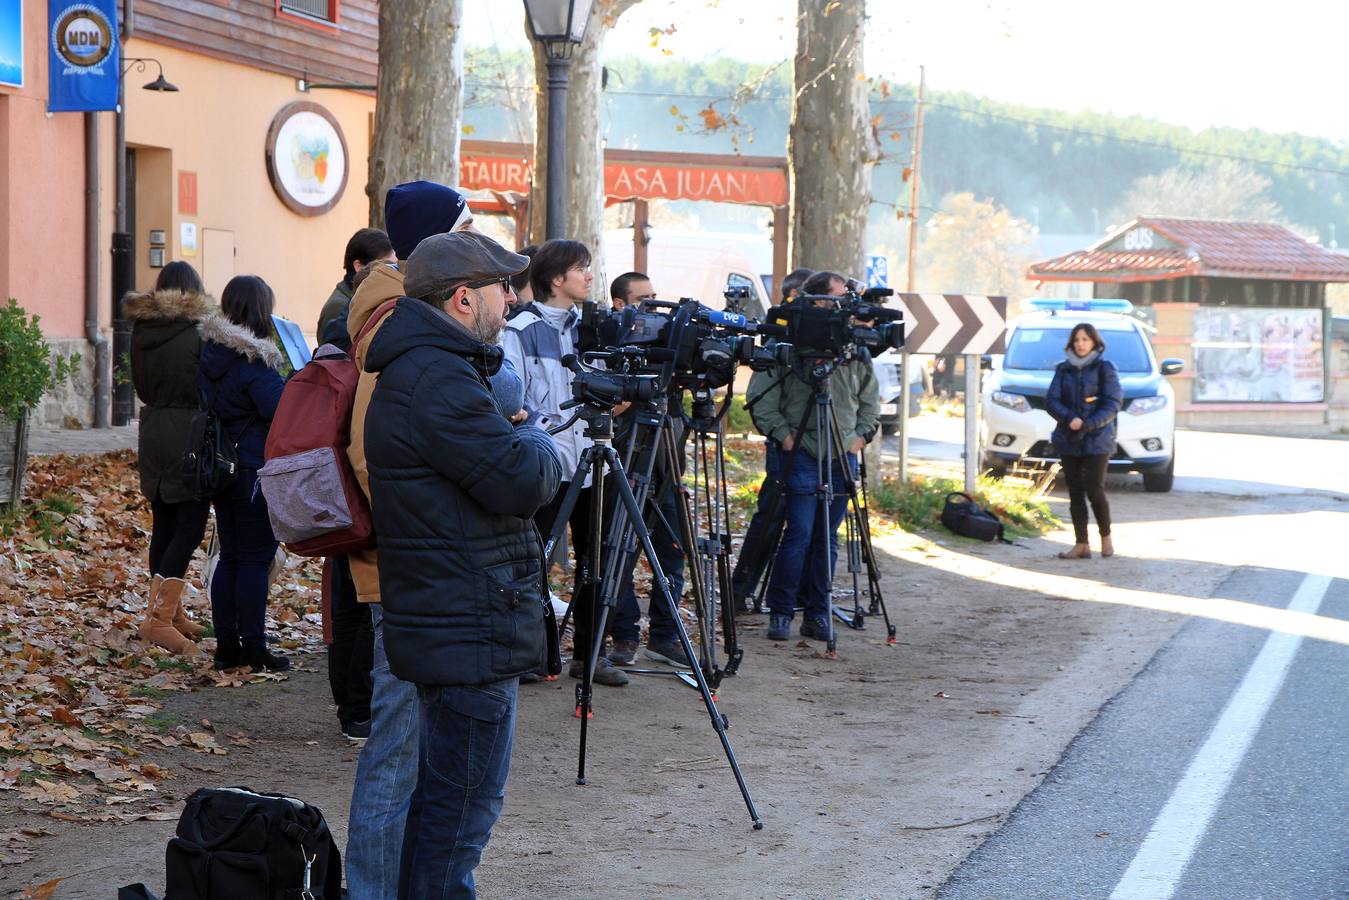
(1155, 872)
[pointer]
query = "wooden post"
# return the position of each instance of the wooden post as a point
(910, 276)
(641, 217)
(779, 253)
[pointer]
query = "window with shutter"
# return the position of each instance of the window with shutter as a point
(322, 10)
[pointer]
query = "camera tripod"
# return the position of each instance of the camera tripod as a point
(830, 446)
(598, 460)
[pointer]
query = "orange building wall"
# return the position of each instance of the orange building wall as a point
(216, 126)
(42, 194)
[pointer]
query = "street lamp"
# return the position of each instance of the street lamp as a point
(123, 244)
(559, 25)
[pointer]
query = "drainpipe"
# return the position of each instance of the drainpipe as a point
(102, 388)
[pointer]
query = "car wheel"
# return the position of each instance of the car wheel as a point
(1160, 482)
(995, 467)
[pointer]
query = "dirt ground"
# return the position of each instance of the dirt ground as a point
(875, 774)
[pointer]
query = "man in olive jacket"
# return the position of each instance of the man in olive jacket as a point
(803, 570)
(453, 486)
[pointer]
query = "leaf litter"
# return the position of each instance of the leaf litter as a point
(81, 713)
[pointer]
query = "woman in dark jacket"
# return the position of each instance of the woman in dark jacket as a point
(1084, 398)
(165, 346)
(241, 382)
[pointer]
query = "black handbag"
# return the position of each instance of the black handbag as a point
(966, 518)
(236, 843)
(211, 461)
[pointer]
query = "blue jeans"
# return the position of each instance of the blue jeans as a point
(386, 775)
(627, 623)
(803, 570)
(247, 547)
(465, 756)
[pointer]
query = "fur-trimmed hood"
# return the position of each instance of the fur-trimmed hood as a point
(168, 306)
(239, 341)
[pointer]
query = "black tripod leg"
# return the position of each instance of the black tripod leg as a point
(560, 524)
(598, 617)
(659, 579)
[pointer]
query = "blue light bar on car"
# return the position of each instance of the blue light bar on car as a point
(1048, 304)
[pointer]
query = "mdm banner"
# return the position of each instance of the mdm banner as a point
(85, 59)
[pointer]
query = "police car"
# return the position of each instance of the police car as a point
(1015, 425)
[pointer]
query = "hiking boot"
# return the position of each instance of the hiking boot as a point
(816, 627)
(356, 732)
(779, 627)
(605, 672)
(671, 652)
(257, 657)
(158, 625)
(623, 653)
(229, 653)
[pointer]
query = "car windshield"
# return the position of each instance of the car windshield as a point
(1041, 349)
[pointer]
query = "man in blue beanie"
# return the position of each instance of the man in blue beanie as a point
(386, 773)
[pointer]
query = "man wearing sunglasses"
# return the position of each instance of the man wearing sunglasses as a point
(454, 486)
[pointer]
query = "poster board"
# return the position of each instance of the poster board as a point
(1259, 355)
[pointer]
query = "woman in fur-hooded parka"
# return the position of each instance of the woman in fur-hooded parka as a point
(165, 354)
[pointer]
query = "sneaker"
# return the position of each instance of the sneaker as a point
(816, 627)
(605, 673)
(623, 653)
(356, 732)
(671, 652)
(257, 657)
(779, 627)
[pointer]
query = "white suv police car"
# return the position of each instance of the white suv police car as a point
(1015, 425)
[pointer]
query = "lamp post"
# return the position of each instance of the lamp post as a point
(559, 25)
(123, 245)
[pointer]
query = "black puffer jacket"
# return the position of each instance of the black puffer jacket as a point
(165, 352)
(453, 486)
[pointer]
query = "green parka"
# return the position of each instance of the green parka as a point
(782, 401)
(165, 345)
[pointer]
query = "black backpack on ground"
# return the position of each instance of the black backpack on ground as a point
(965, 517)
(236, 843)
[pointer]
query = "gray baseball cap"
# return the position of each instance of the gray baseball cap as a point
(454, 258)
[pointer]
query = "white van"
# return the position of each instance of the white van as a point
(697, 264)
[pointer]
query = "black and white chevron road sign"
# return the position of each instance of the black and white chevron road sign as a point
(954, 324)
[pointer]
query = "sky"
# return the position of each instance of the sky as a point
(1198, 63)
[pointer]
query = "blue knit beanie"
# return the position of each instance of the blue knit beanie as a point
(418, 209)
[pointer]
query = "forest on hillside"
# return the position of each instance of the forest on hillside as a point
(1063, 172)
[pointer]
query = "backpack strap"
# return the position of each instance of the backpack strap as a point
(375, 318)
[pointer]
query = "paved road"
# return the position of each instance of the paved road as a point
(1206, 778)
(1206, 461)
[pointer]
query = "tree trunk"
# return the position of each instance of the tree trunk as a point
(831, 147)
(585, 147)
(420, 101)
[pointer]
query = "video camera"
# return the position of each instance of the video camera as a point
(851, 320)
(689, 345)
(616, 383)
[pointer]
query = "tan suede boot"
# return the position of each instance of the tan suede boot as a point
(158, 625)
(186, 627)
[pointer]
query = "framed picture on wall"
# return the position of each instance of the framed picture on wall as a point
(11, 43)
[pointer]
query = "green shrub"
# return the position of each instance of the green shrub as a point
(27, 369)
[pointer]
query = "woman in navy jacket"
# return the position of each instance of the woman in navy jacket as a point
(1084, 398)
(240, 380)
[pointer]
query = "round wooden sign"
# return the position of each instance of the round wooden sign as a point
(307, 159)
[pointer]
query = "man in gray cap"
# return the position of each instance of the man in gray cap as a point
(454, 485)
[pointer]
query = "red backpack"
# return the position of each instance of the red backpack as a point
(314, 501)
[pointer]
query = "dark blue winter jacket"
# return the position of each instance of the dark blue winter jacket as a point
(453, 489)
(241, 380)
(1091, 393)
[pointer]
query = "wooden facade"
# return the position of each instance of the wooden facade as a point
(1218, 292)
(267, 34)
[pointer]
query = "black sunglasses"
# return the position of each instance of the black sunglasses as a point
(502, 280)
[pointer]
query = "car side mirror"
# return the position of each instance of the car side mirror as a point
(1173, 366)
(986, 362)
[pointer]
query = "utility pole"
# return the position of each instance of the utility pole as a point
(911, 271)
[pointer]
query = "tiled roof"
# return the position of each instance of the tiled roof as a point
(1204, 247)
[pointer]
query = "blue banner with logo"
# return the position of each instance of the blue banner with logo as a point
(85, 58)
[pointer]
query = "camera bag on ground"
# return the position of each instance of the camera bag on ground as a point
(314, 501)
(966, 518)
(234, 843)
(211, 460)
